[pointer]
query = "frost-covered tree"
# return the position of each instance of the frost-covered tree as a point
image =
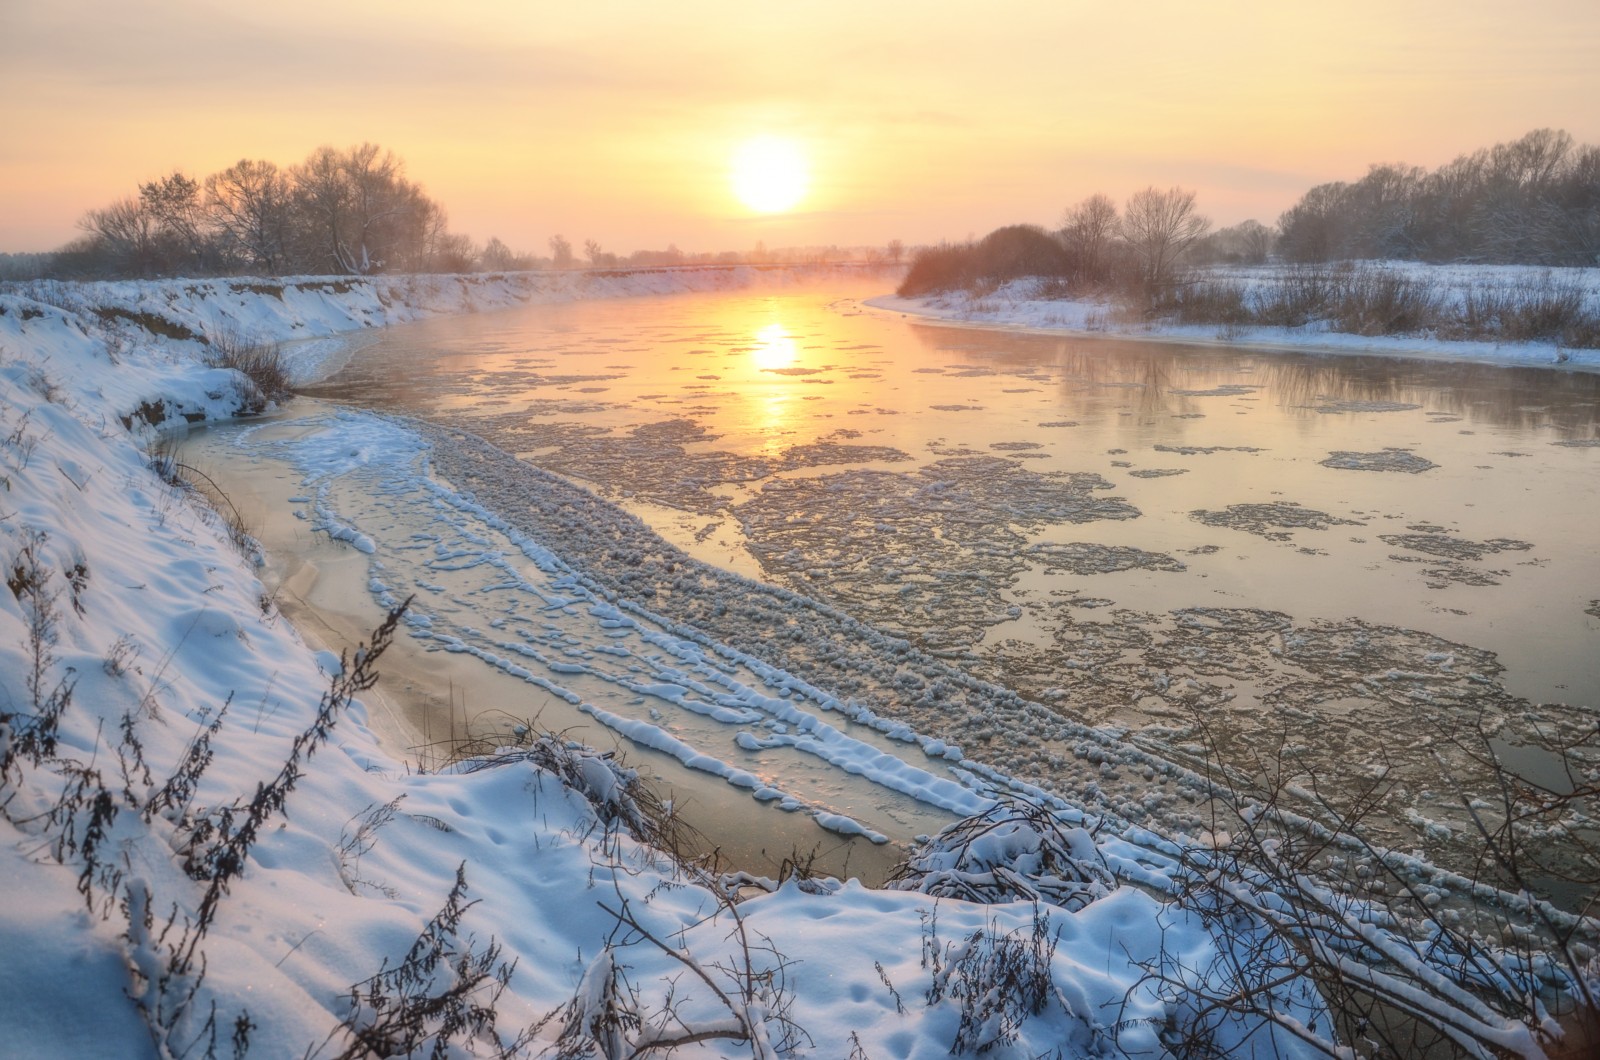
(1535, 200)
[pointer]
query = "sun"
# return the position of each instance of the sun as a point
(769, 174)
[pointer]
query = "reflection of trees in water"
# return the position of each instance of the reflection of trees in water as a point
(1519, 398)
(1490, 395)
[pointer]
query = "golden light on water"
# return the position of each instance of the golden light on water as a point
(769, 174)
(775, 348)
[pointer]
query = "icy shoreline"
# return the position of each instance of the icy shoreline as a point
(1018, 305)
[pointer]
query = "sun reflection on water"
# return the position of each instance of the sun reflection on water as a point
(775, 348)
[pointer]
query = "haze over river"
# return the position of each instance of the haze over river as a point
(1347, 556)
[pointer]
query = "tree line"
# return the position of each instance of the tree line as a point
(346, 212)
(1138, 251)
(340, 212)
(1533, 201)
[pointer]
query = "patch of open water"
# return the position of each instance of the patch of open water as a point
(1349, 554)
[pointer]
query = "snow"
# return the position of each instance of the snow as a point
(132, 599)
(1018, 304)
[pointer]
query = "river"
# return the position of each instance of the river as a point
(1100, 554)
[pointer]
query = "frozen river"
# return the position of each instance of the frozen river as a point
(1349, 556)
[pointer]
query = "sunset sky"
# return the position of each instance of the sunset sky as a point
(618, 120)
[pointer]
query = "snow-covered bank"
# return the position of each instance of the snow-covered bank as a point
(182, 871)
(1023, 304)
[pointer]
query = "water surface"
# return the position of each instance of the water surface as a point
(1352, 556)
(798, 436)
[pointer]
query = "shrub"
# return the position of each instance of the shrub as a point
(29, 735)
(1004, 254)
(259, 362)
(1384, 302)
(1555, 311)
(444, 988)
(1300, 295)
(191, 481)
(615, 792)
(1205, 302)
(998, 981)
(1017, 850)
(1409, 959)
(935, 269)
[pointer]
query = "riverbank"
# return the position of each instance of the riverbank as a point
(203, 838)
(1023, 304)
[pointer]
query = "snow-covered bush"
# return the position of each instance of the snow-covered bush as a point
(1018, 850)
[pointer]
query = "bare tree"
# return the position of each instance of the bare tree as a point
(161, 232)
(123, 236)
(362, 213)
(249, 202)
(560, 252)
(438, 248)
(1256, 240)
(1160, 226)
(453, 252)
(350, 211)
(1088, 230)
(322, 199)
(382, 202)
(597, 256)
(1312, 229)
(1535, 160)
(671, 256)
(1246, 243)
(496, 256)
(1530, 201)
(173, 203)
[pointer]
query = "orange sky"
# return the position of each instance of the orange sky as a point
(615, 119)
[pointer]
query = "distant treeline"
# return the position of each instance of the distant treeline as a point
(342, 212)
(1136, 252)
(1533, 201)
(349, 212)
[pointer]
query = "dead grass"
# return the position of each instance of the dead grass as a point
(1374, 301)
(260, 362)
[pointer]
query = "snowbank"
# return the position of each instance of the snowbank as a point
(1020, 304)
